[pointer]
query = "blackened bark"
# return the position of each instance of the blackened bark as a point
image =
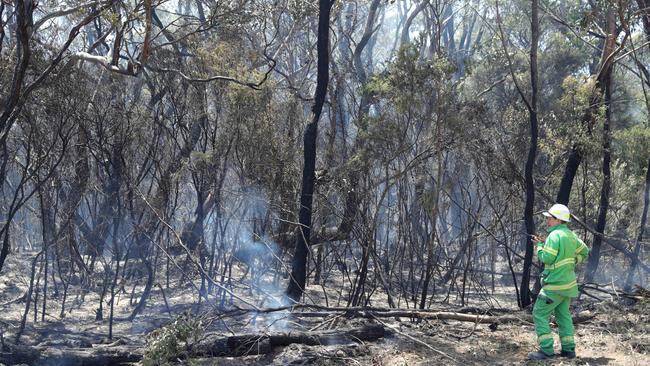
(2, 30)
(24, 21)
(594, 255)
(4, 252)
(146, 262)
(602, 76)
(461, 253)
(96, 356)
(161, 199)
(352, 198)
(72, 198)
(530, 161)
(28, 298)
(4, 159)
(117, 256)
(644, 5)
(642, 224)
(23, 54)
(428, 272)
(253, 344)
(18, 93)
(198, 238)
(210, 346)
(573, 162)
(192, 234)
(299, 264)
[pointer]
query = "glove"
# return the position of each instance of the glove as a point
(579, 259)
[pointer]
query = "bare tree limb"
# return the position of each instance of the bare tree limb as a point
(64, 12)
(509, 59)
(250, 84)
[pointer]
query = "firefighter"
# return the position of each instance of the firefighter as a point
(560, 252)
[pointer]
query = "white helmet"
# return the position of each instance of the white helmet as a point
(558, 211)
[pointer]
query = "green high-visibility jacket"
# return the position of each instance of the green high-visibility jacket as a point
(560, 253)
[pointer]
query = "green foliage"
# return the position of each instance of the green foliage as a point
(577, 95)
(563, 59)
(411, 79)
(172, 340)
(633, 145)
(301, 9)
(415, 97)
(571, 123)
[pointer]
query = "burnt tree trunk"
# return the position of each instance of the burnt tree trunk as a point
(642, 224)
(594, 255)
(570, 170)
(96, 356)
(24, 11)
(299, 266)
(530, 161)
(254, 344)
(211, 346)
(602, 75)
(644, 5)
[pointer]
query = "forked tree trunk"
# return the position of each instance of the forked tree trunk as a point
(603, 73)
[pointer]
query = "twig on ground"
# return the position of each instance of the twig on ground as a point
(592, 296)
(415, 340)
(339, 358)
(227, 326)
(326, 321)
(20, 298)
(614, 289)
(460, 338)
(616, 293)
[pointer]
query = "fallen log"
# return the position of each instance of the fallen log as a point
(211, 346)
(257, 344)
(637, 295)
(515, 318)
(89, 356)
(47, 356)
(14, 354)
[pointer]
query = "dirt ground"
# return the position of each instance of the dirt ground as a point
(619, 334)
(608, 339)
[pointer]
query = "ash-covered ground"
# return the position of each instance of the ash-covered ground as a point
(617, 333)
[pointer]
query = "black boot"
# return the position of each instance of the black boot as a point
(539, 355)
(568, 354)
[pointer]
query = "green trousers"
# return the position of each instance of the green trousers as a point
(546, 304)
